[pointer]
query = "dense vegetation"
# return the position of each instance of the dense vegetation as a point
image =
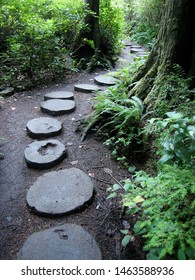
(142, 20)
(39, 39)
(35, 46)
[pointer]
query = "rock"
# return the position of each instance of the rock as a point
(7, 92)
(86, 88)
(57, 107)
(44, 154)
(60, 192)
(104, 80)
(64, 242)
(43, 127)
(64, 95)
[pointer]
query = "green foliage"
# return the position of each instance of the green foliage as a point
(38, 38)
(142, 20)
(165, 203)
(116, 116)
(177, 137)
(111, 25)
(33, 47)
(167, 221)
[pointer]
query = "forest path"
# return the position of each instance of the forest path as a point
(102, 217)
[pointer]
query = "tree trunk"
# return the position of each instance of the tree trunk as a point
(175, 45)
(91, 36)
(92, 20)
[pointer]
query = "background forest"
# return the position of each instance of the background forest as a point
(154, 140)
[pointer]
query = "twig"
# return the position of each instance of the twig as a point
(104, 219)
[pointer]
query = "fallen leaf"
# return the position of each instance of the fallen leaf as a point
(91, 174)
(74, 162)
(13, 108)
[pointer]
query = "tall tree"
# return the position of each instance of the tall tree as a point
(175, 45)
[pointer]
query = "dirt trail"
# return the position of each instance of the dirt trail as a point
(101, 218)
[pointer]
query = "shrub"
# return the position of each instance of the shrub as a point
(165, 203)
(167, 206)
(177, 137)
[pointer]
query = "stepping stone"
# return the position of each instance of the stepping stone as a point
(59, 95)
(86, 88)
(64, 242)
(104, 80)
(135, 50)
(57, 107)
(7, 92)
(44, 154)
(43, 127)
(140, 54)
(60, 192)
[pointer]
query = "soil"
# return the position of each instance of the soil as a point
(102, 218)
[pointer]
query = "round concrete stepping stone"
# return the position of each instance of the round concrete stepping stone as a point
(43, 127)
(104, 80)
(64, 95)
(135, 50)
(60, 192)
(57, 107)
(65, 242)
(86, 88)
(44, 154)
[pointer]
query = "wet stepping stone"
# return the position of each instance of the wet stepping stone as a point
(86, 88)
(44, 154)
(57, 107)
(104, 80)
(60, 192)
(43, 127)
(64, 242)
(59, 95)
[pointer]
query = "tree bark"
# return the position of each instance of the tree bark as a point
(92, 20)
(175, 45)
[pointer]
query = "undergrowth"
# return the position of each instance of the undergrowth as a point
(39, 39)
(163, 204)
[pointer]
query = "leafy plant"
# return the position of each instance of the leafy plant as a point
(116, 117)
(167, 206)
(177, 137)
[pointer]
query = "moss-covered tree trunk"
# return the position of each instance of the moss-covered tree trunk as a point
(175, 45)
